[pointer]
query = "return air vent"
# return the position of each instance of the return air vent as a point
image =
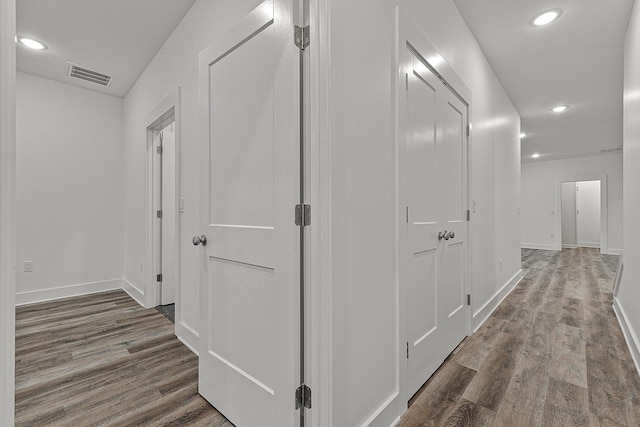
(611, 150)
(84, 73)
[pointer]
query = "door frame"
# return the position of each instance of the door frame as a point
(167, 111)
(408, 34)
(7, 207)
(604, 215)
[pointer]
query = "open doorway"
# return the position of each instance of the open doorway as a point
(163, 203)
(581, 214)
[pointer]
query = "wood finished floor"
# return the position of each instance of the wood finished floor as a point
(102, 360)
(552, 354)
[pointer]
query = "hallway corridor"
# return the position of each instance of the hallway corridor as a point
(552, 354)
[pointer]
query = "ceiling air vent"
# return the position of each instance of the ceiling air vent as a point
(85, 73)
(611, 150)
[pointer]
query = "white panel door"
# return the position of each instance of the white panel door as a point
(588, 213)
(249, 350)
(432, 180)
(168, 245)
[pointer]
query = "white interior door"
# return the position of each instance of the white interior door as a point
(588, 213)
(433, 191)
(249, 347)
(168, 246)
(568, 214)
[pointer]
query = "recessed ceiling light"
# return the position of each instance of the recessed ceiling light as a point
(535, 155)
(559, 108)
(546, 17)
(31, 43)
(522, 135)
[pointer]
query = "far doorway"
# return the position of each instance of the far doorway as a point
(164, 212)
(581, 214)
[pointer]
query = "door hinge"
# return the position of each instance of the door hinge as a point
(159, 278)
(406, 81)
(303, 215)
(301, 37)
(468, 131)
(303, 397)
(468, 215)
(407, 349)
(159, 149)
(468, 299)
(159, 214)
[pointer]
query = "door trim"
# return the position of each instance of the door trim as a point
(169, 109)
(604, 210)
(409, 36)
(7, 207)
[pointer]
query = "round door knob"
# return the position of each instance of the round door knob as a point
(443, 235)
(200, 239)
(451, 235)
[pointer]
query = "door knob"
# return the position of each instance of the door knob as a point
(443, 235)
(199, 239)
(451, 235)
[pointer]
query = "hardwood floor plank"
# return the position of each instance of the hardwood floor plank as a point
(102, 360)
(489, 386)
(469, 414)
(552, 354)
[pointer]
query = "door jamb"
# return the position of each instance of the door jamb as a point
(408, 33)
(604, 209)
(7, 208)
(168, 110)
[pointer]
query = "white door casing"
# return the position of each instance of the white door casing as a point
(249, 318)
(433, 185)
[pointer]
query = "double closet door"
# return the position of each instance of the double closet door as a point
(433, 233)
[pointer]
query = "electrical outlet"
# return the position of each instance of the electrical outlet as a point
(27, 266)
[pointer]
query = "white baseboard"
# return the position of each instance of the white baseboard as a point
(612, 252)
(539, 246)
(629, 334)
(570, 246)
(133, 292)
(395, 422)
(50, 294)
(589, 245)
(385, 414)
(483, 313)
(188, 336)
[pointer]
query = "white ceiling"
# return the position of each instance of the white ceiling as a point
(117, 37)
(576, 60)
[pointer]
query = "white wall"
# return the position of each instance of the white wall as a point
(69, 189)
(627, 302)
(365, 350)
(588, 213)
(176, 64)
(568, 213)
(540, 198)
